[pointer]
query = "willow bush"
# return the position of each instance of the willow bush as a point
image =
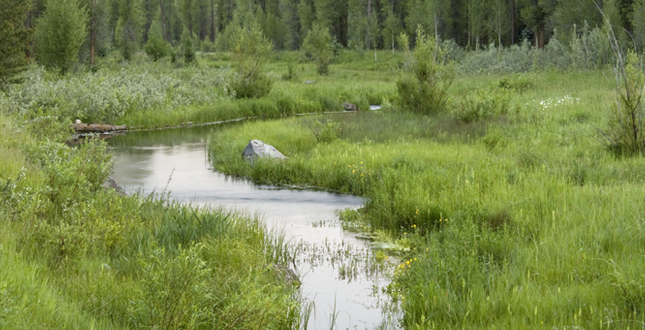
(424, 82)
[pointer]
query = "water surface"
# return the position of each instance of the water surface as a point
(334, 265)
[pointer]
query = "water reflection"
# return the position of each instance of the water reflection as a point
(337, 272)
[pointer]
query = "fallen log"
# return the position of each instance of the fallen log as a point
(97, 128)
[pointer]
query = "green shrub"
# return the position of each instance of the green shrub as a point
(251, 50)
(481, 104)
(291, 71)
(319, 44)
(518, 82)
(626, 121)
(156, 48)
(208, 46)
(61, 33)
(328, 132)
(424, 81)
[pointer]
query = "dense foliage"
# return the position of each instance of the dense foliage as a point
(250, 51)
(76, 255)
(60, 34)
(13, 40)
(318, 44)
(357, 24)
(423, 85)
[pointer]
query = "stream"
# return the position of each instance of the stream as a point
(340, 281)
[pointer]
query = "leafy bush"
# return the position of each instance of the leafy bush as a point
(291, 71)
(61, 32)
(626, 122)
(251, 49)
(481, 104)
(208, 46)
(588, 49)
(106, 96)
(517, 82)
(156, 48)
(424, 82)
(319, 44)
(328, 132)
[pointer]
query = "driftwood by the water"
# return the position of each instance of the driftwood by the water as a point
(97, 128)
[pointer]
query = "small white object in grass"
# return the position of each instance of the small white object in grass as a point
(78, 121)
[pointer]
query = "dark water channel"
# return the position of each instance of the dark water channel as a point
(334, 265)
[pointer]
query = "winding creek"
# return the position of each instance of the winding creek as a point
(338, 277)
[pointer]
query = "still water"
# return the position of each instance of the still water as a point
(338, 278)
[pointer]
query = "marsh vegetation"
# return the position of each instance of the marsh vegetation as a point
(502, 174)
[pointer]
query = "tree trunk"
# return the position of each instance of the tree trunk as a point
(512, 10)
(92, 32)
(369, 12)
(212, 20)
(189, 17)
(163, 21)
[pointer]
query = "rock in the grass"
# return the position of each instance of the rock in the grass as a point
(308, 82)
(258, 149)
(350, 106)
(111, 184)
(290, 277)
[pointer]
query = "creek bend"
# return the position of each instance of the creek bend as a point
(335, 266)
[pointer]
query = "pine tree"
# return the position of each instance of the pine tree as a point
(187, 45)
(13, 39)
(128, 29)
(60, 34)
(156, 47)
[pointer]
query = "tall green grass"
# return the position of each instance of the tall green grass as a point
(523, 220)
(74, 255)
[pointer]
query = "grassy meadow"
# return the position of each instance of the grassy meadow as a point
(522, 219)
(510, 210)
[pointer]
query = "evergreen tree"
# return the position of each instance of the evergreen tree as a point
(188, 47)
(128, 29)
(14, 37)
(60, 34)
(156, 47)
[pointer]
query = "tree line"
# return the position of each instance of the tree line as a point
(356, 24)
